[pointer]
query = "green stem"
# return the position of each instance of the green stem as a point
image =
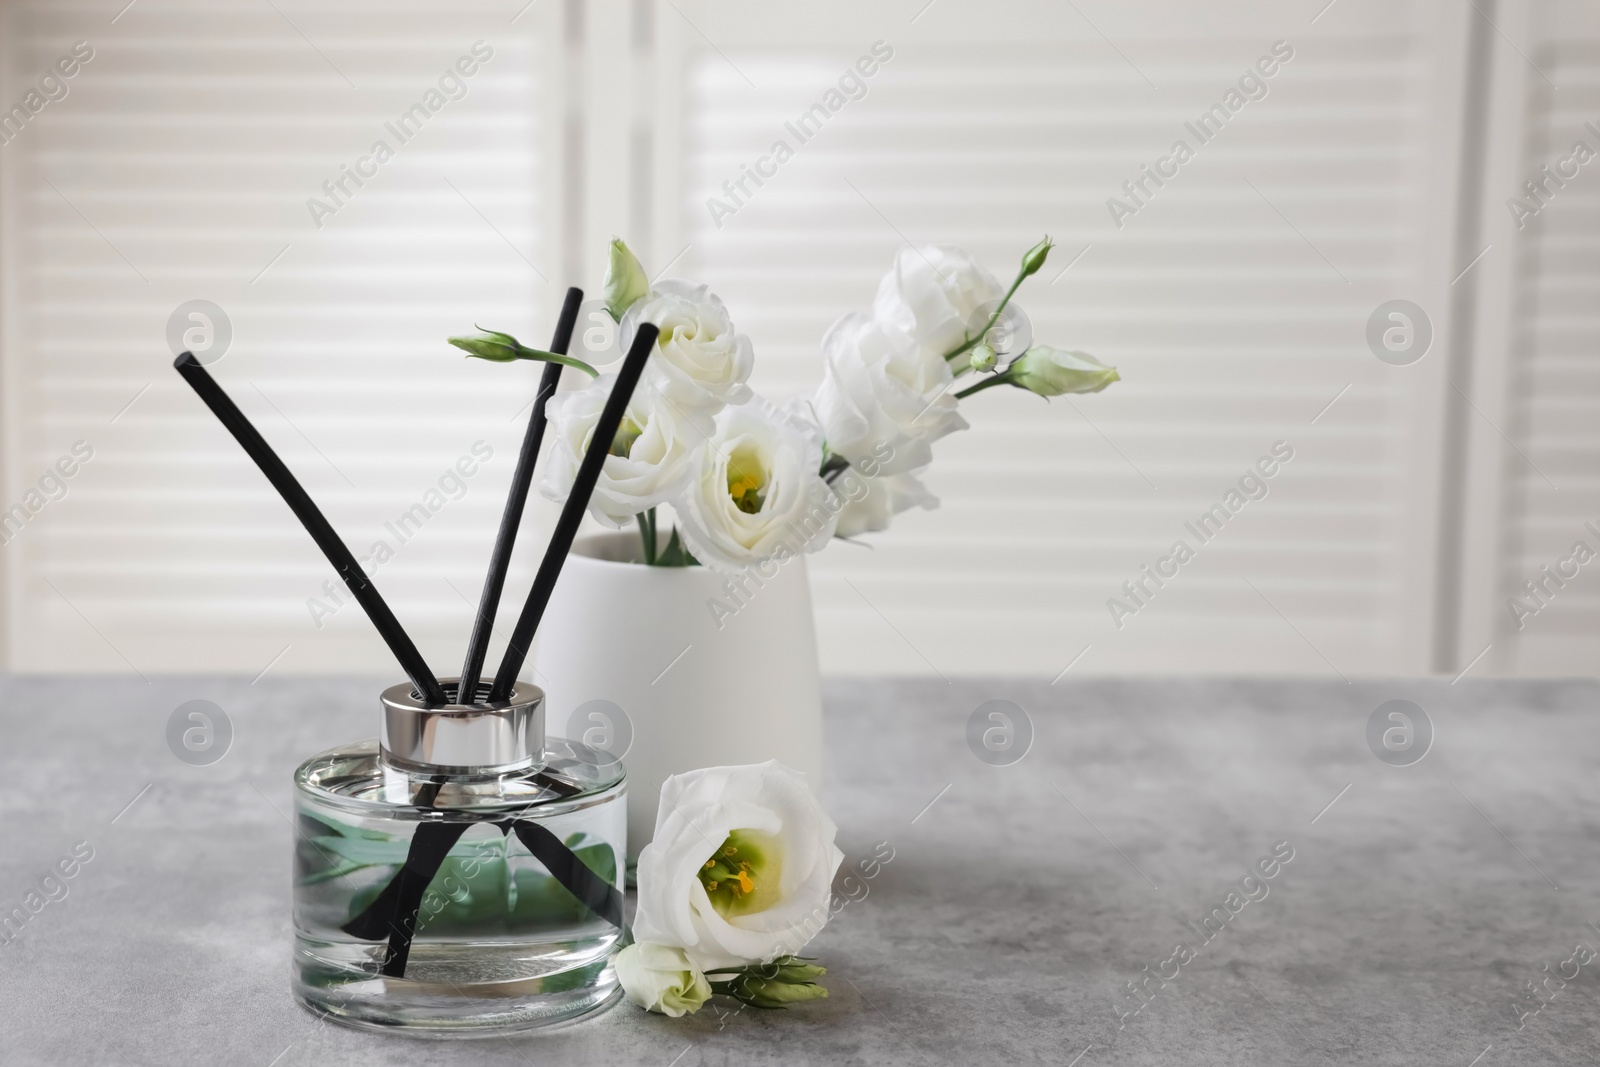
(998, 379)
(647, 535)
(970, 344)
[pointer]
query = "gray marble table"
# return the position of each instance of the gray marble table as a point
(1020, 903)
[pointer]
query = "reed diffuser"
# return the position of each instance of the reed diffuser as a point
(460, 872)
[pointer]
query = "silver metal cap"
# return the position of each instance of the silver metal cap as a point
(463, 738)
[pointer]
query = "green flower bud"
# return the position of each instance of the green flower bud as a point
(500, 347)
(983, 358)
(777, 984)
(800, 972)
(1034, 257)
(626, 281)
(487, 344)
(1052, 371)
(777, 993)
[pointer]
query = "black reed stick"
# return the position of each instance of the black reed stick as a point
(555, 554)
(321, 532)
(516, 500)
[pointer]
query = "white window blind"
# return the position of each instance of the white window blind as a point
(1552, 479)
(1234, 303)
(178, 167)
(1235, 300)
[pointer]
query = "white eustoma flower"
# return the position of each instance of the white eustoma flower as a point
(649, 457)
(660, 978)
(871, 503)
(754, 491)
(741, 866)
(932, 295)
(881, 392)
(700, 364)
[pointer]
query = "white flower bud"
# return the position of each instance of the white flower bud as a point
(1051, 371)
(661, 979)
(626, 282)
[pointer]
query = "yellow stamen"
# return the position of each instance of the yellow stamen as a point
(746, 481)
(745, 884)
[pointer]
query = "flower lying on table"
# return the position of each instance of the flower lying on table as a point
(736, 880)
(661, 979)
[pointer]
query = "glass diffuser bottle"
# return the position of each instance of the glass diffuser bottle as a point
(459, 872)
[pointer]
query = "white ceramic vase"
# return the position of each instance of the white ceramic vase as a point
(698, 686)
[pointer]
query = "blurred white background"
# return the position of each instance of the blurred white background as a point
(1377, 166)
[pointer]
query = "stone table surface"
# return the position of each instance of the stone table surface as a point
(1021, 901)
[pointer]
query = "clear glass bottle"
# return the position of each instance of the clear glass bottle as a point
(459, 872)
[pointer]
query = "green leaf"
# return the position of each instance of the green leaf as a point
(544, 901)
(471, 895)
(325, 850)
(675, 554)
(485, 888)
(328, 874)
(832, 463)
